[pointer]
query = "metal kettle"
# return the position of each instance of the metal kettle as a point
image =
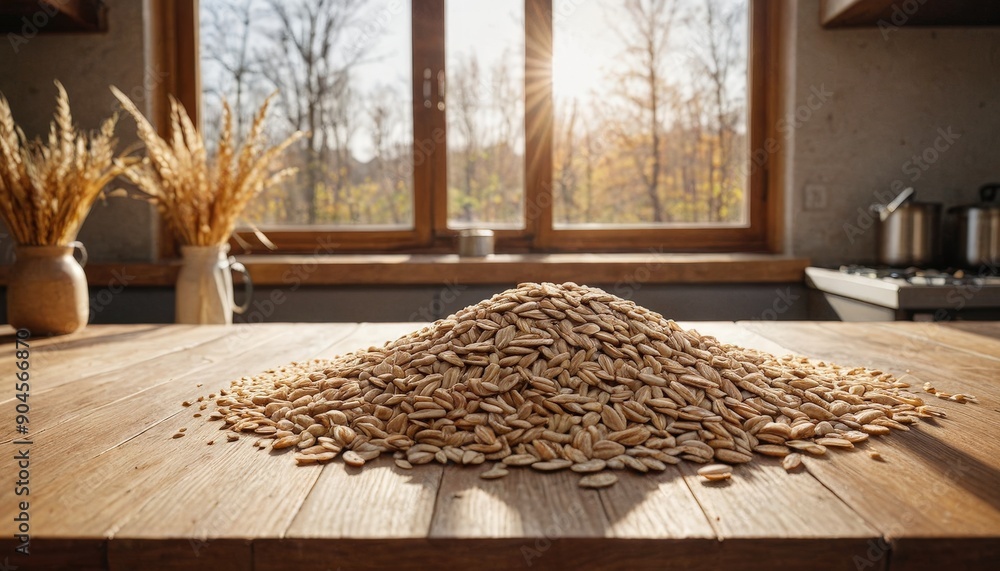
(978, 231)
(908, 232)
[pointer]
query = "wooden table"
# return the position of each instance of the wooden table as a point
(110, 488)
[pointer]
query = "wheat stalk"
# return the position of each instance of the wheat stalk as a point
(48, 186)
(201, 199)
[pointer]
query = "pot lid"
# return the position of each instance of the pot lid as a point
(987, 196)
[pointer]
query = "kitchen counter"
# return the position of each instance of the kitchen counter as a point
(110, 488)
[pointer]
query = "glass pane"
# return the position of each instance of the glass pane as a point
(650, 112)
(343, 69)
(484, 40)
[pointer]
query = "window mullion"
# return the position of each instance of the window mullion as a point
(429, 134)
(538, 121)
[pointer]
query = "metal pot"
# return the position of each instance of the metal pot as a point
(978, 225)
(908, 233)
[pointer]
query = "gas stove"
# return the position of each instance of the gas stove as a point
(924, 277)
(862, 293)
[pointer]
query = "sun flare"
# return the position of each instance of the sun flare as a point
(575, 70)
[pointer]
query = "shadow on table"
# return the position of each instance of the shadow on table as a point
(957, 466)
(75, 341)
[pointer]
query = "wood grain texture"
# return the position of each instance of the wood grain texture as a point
(523, 504)
(98, 471)
(635, 508)
(762, 500)
(405, 269)
(65, 343)
(939, 480)
(947, 340)
(54, 406)
(985, 328)
(112, 490)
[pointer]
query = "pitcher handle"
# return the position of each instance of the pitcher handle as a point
(83, 252)
(247, 286)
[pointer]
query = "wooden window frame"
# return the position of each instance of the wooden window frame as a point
(178, 53)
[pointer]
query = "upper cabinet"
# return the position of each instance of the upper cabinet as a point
(27, 18)
(865, 13)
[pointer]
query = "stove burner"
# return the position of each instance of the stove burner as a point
(923, 277)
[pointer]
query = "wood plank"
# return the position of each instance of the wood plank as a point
(123, 451)
(543, 553)
(522, 505)
(72, 360)
(50, 553)
(57, 342)
(547, 553)
(135, 498)
(385, 502)
(186, 349)
(945, 340)
(228, 474)
(41, 348)
(938, 482)
(7, 333)
(989, 329)
(967, 553)
(405, 269)
(654, 506)
(514, 268)
(244, 477)
(660, 506)
(763, 501)
(180, 553)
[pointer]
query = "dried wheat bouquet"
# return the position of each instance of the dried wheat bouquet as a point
(201, 199)
(565, 377)
(47, 186)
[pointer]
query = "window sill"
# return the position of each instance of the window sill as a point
(344, 270)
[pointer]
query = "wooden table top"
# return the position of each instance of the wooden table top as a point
(110, 488)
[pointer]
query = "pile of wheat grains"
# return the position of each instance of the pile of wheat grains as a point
(565, 377)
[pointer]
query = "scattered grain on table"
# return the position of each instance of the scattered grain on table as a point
(498, 470)
(565, 377)
(716, 472)
(792, 461)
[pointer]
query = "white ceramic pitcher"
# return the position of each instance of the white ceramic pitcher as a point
(204, 293)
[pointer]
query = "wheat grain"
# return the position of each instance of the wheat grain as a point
(202, 201)
(715, 472)
(602, 480)
(565, 376)
(496, 472)
(792, 461)
(47, 186)
(352, 458)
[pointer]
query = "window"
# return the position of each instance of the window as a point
(563, 125)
